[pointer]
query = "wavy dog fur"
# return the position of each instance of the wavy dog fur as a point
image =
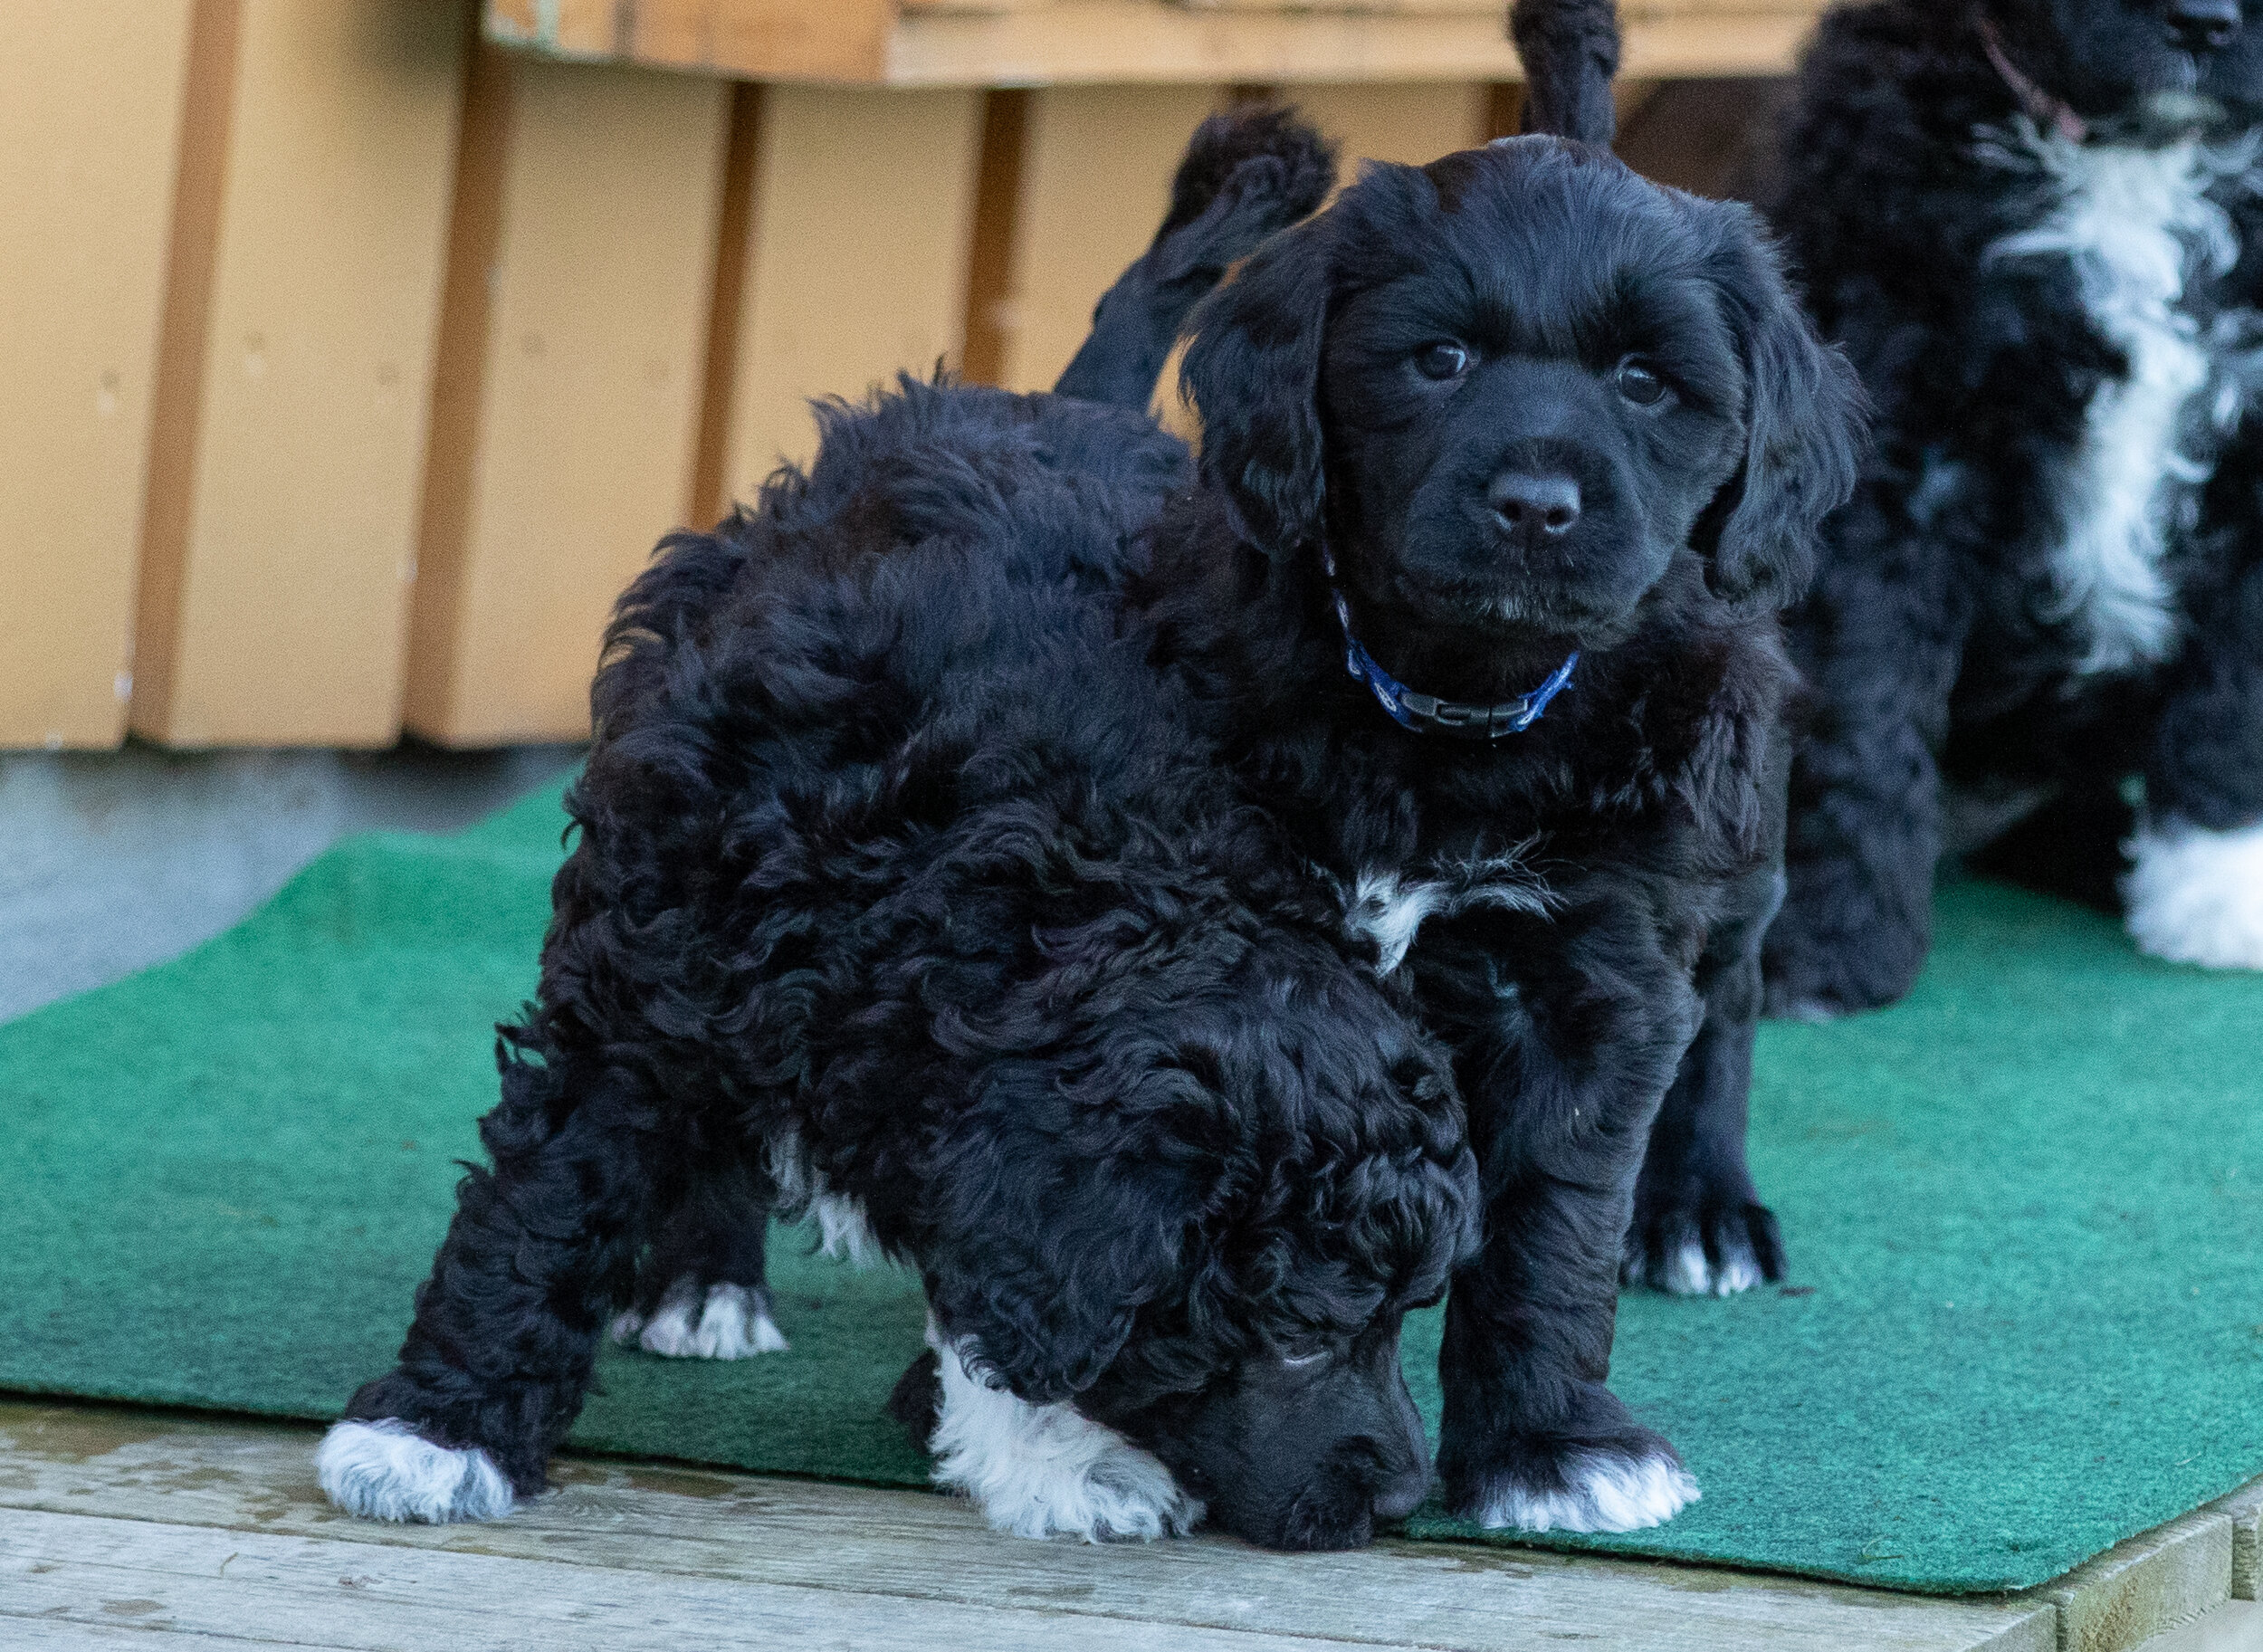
(2050, 580)
(903, 888)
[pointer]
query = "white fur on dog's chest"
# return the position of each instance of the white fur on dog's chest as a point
(2137, 224)
(1386, 905)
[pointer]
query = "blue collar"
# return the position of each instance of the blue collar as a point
(1422, 713)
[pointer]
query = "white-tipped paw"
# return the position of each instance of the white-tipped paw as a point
(724, 1322)
(386, 1470)
(1602, 1492)
(2196, 897)
(1688, 1271)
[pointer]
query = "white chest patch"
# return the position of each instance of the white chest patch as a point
(1040, 1471)
(2137, 224)
(1386, 906)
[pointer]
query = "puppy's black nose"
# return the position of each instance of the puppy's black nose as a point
(1532, 505)
(2203, 25)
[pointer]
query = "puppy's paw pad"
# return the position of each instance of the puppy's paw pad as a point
(722, 1322)
(2196, 897)
(386, 1470)
(1594, 1491)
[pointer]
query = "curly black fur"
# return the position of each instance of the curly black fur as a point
(1383, 383)
(1963, 669)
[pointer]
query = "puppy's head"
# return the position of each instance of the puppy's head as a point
(2111, 57)
(1200, 1243)
(1511, 386)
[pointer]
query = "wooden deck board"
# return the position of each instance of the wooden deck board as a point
(127, 1506)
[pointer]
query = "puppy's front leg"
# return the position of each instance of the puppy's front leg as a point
(498, 1357)
(2195, 893)
(1699, 1227)
(1568, 1034)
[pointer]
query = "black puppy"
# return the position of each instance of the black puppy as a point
(1508, 461)
(2035, 226)
(903, 891)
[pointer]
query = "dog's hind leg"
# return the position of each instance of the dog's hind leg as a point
(1699, 1229)
(498, 1357)
(702, 1290)
(1246, 173)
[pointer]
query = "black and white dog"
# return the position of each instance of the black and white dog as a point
(2035, 226)
(905, 893)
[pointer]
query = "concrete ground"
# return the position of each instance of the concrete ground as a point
(113, 861)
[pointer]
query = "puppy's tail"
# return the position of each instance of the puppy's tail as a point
(1248, 172)
(1570, 50)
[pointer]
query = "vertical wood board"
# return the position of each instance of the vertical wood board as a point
(1409, 124)
(88, 127)
(1095, 180)
(862, 209)
(279, 577)
(582, 449)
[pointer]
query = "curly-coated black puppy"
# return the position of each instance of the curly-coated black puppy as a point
(2036, 226)
(903, 891)
(1508, 461)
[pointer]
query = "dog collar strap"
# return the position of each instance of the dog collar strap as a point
(2050, 113)
(1424, 712)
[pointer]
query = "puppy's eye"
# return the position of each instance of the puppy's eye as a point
(1638, 383)
(1304, 1357)
(1443, 359)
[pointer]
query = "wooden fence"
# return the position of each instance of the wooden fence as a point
(353, 353)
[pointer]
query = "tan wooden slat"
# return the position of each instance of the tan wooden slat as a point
(857, 237)
(566, 415)
(1409, 124)
(843, 40)
(278, 535)
(1006, 43)
(1094, 180)
(916, 1547)
(88, 127)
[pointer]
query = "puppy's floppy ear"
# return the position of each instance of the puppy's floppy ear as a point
(1805, 424)
(1047, 1246)
(1570, 50)
(1253, 372)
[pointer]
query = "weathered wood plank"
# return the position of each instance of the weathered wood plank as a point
(307, 1590)
(2237, 1626)
(2245, 1508)
(2138, 1588)
(740, 1528)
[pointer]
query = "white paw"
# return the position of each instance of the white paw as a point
(1605, 1492)
(1688, 1272)
(724, 1321)
(2196, 897)
(1041, 1471)
(386, 1470)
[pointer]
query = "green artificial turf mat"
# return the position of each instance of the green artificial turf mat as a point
(2024, 1318)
